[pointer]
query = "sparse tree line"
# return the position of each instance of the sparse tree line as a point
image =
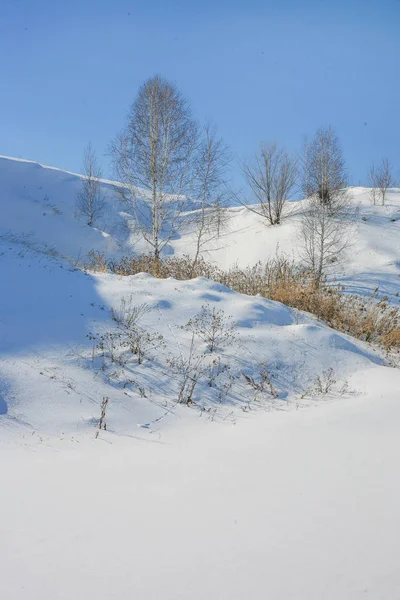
(175, 174)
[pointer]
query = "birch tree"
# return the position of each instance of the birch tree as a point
(324, 237)
(324, 173)
(155, 152)
(210, 191)
(90, 199)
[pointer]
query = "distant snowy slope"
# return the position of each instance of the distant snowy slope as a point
(38, 208)
(372, 260)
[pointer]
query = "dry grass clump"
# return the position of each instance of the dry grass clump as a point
(281, 280)
(96, 262)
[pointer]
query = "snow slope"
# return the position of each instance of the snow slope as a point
(300, 505)
(253, 494)
(52, 382)
(38, 208)
(371, 261)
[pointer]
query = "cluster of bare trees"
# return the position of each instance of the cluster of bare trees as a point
(172, 173)
(166, 166)
(319, 172)
(325, 231)
(181, 166)
(380, 180)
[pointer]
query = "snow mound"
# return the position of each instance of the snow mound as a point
(52, 382)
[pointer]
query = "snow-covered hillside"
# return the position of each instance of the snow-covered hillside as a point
(264, 486)
(372, 259)
(38, 204)
(52, 382)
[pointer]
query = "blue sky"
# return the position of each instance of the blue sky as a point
(260, 70)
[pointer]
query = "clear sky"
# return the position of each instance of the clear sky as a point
(259, 69)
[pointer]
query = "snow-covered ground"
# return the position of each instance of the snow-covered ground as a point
(300, 505)
(38, 206)
(282, 491)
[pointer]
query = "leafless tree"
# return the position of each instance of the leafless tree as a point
(327, 219)
(380, 180)
(156, 152)
(90, 199)
(304, 167)
(271, 176)
(210, 189)
(324, 236)
(373, 184)
(324, 174)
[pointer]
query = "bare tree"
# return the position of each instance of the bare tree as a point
(380, 180)
(324, 236)
(90, 199)
(373, 184)
(210, 189)
(304, 164)
(272, 178)
(156, 151)
(324, 174)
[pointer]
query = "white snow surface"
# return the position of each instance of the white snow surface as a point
(292, 495)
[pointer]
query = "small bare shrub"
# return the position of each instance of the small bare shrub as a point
(191, 369)
(220, 378)
(216, 369)
(96, 262)
(213, 327)
(261, 381)
(132, 336)
(103, 409)
(140, 342)
(128, 314)
(108, 343)
(322, 384)
(128, 336)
